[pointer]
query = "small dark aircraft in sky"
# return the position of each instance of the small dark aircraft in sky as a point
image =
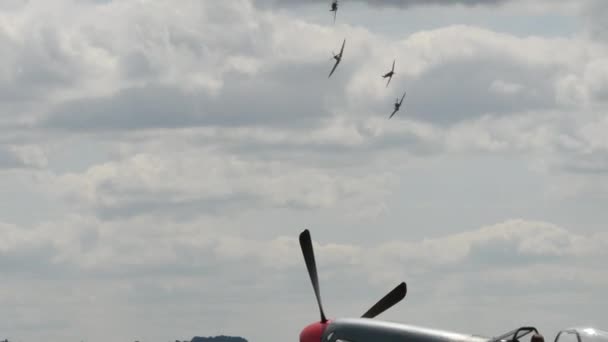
(368, 329)
(390, 74)
(397, 105)
(338, 59)
(334, 8)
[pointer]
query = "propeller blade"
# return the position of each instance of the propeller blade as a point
(309, 258)
(392, 298)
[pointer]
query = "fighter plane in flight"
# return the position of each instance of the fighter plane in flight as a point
(390, 74)
(398, 105)
(334, 8)
(338, 58)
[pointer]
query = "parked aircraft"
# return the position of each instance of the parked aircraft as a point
(368, 329)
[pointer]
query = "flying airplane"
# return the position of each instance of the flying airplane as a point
(390, 74)
(334, 8)
(368, 329)
(397, 105)
(338, 59)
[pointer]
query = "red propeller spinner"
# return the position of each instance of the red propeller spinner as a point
(314, 331)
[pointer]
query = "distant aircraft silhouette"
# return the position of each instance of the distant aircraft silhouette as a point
(390, 74)
(397, 105)
(334, 8)
(338, 58)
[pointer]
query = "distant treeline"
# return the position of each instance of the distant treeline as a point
(221, 338)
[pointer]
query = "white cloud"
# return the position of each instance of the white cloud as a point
(91, 244)
(516, 256)
(202, 182)
(21, 156)
(398, 3)
(503, 87)
(172, 152)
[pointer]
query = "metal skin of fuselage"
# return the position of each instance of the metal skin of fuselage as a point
(371, 330)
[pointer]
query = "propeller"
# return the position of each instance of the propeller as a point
(392, 298)
(309, 258)
(389, 300)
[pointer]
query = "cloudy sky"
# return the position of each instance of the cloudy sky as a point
(159, 158)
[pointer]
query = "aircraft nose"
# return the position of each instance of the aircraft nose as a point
(313, 332)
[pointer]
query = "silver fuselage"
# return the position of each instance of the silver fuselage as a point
(370, 330)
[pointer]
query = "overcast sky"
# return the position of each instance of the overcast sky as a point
(159, 158)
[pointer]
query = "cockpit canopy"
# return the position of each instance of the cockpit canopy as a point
(582, 334)
(515, 335)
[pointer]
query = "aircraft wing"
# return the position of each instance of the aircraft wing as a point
(393, 69)
(402, 99)
(389, 80)
(342, 49)
(333, 69)
(395, 111)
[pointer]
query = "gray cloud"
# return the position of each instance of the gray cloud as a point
(90, 244)
(596, 12)
(12, 4)
(131, 188)
(407, 3)
(594, 163)
(40, 63)
(463, 90)
(162, 204)
(296, 93)
(150, 107)
(397, 3)
(21, 157)
(182, 148)
(9, 160)
(263, 100)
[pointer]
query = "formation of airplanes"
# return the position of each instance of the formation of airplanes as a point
(368, 329)
(338, 59)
